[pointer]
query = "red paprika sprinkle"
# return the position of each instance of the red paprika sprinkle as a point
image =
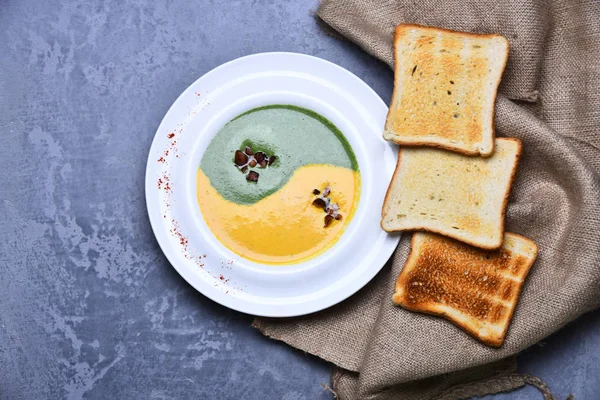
(170, 135)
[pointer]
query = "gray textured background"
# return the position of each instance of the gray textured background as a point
(89, 306)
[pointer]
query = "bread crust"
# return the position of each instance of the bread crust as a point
(430, 307)
(513, 174)
(396, 89)
(448, 233)
(387, 192)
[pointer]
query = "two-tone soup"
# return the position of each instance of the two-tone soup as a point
(278, 184)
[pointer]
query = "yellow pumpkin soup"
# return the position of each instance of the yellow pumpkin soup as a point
(284, 227)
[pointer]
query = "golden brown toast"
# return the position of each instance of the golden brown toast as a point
(475, 289)
(445, 85)
(444, 192)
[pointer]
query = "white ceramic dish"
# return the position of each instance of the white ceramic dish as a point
(183, 135)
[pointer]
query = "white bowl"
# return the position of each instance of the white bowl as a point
(187, 129)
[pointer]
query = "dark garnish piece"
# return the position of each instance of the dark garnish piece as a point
(240, 158)
(252, 163)
(328, 220)
(331, 209)
(263, 163)
(319, 202)
(272, 159)
(413, 71)
(252, 176)
(260, 156)
(244, 168)
(248, 150)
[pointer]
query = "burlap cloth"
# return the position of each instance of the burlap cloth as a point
(553, 79)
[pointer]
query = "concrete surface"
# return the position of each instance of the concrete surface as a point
(89, 306)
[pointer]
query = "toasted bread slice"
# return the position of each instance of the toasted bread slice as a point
(445, 89)
(475, 289)
(444, 192)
